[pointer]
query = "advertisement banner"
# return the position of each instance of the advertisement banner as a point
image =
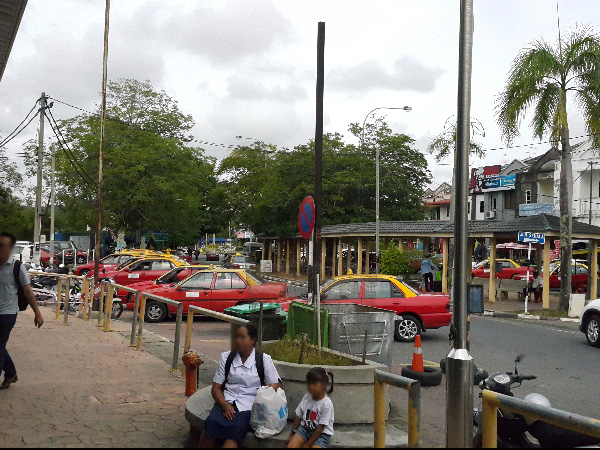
(534, 209)
(498, 183)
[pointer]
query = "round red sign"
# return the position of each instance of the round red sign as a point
(306, 217)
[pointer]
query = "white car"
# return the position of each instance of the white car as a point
(590, 323)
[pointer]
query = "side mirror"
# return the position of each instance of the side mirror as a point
(178, 288)
(520, 358)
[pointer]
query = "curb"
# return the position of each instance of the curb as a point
(521, 316)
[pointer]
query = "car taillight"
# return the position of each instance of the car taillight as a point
(448, 307)
(235, 266)
(282, 293)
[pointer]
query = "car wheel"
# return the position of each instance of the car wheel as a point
(117, 310)
(84, 272)
(156, 312)
(407, 329)
(592, 331)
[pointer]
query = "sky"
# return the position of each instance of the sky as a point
(248, 67)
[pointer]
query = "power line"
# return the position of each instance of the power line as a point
(15, 133)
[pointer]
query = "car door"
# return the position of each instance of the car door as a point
(343, 291)
(196, 291)
(579, 277)
(229, 290)
(378, 294)
(483, 271)
(134, 273)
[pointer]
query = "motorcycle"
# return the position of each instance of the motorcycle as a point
(514, 430)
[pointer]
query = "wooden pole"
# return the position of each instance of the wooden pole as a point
(287, 256)
(493, 271)
(594, 269)
(323, 275)
(349, 258)
(367, 258)
(546, 275)
(360, 257)
(298, 257)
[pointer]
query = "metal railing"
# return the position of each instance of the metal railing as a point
(493, 401)
(65, 279)
(139, 312)
(414, 407)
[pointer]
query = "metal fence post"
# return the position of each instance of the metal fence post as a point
(66, 302)
(108, 307)
(177, 340)
(141, 321)
(379, 414)
(101, 305)
(58, 297)
(85, 292)
(490, 423)
(136, 316)
(414, 415)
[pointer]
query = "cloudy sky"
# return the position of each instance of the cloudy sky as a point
(247, 67)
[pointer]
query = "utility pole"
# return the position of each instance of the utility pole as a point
(591, 189)
(316, 260)
(37, 226)
(52, 199)
(459, 410)
(591, 255)
(98, 253)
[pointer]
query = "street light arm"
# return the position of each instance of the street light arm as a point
(404, 108)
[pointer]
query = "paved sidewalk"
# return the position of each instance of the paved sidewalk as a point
(81, 387)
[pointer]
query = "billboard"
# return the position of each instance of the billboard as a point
(499, 183)
(479, 175)
(533, 209)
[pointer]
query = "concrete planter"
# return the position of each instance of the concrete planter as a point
(353, 389)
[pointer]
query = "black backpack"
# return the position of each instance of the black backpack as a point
(260, 367)
(23, 303)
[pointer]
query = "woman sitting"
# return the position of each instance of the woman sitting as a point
(240, 374)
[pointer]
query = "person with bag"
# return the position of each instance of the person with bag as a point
(239, 376)
(15, 295)
(313, 427)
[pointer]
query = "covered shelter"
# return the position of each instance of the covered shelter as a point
(11, 12)
(291, 252)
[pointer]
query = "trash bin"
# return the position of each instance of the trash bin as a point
(348, 325)
(273, 318)
(476, 299)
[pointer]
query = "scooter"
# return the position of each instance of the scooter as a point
(514, 430)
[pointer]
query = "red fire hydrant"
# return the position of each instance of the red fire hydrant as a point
(191, 362)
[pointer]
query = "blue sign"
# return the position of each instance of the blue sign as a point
(534, 209)
(532, 238)
(499, 182)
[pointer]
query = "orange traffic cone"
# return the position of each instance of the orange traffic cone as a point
(417, 362)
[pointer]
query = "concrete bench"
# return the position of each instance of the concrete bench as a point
(507, 286)
(200, 404)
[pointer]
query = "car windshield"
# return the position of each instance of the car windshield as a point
(249, 278)
(173, 275)
(408, 287)
(238, 259)
(126, 263)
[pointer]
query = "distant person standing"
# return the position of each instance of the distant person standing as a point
(197, 255)
(427, 269)
(190, 252)
(13, 280)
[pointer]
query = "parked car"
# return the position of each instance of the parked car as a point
(216, 290)
(579, 276)
(68, 257)
(23, 251)
(172, 277)
(510, 269)
(240, 262)
(416, 312)
(143, 269)
(590, 323)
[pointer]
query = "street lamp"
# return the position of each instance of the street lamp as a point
(377, 152)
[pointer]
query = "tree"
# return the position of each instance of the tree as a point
(395, 261)
(544, 77)
(152, 179)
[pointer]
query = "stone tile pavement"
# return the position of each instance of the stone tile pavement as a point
(81, 387)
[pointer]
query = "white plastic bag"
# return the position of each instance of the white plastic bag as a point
(269, 412)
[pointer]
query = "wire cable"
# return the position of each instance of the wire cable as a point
(15, 133)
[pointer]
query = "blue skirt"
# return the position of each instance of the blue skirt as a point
(217, 426)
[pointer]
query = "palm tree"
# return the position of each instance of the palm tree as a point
(544, 77)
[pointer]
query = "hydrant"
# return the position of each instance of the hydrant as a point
(191, 362)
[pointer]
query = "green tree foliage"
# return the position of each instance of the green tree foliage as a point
(152, 179)
(266, 187)
(543, 78)
(394, 261)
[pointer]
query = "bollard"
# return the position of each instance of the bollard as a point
(66, 302)
(191, 362)
(141, 321)
(379, 414)
(58, 297)
(136, 318)
(177, 340)
(108, 307)
(101, 305)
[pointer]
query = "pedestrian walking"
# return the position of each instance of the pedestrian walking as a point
(197, 255)
(15, 294)
(427, 269)
(190, 252)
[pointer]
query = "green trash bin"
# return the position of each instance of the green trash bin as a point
(273, 318)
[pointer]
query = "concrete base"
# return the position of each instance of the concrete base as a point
(199, 405)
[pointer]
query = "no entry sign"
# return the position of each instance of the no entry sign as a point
(306, 217)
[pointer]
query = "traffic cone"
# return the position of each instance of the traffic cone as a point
(417, 362)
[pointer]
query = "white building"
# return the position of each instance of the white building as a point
(437, 202)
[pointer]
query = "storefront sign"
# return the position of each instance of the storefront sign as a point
(534, 209)
(498, 183)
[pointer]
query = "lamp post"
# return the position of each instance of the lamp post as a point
(377, 154)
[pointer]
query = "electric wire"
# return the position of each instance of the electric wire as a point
(15, 133)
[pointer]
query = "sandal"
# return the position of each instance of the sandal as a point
(7, 382)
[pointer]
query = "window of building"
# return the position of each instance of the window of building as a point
(494, 203)
(528, 197)
(469, 208)
(448, 211)
(482, 206)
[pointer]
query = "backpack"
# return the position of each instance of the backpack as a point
(23, 303)
(260, 367)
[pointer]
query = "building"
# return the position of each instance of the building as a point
(11, 12)
(437, 202)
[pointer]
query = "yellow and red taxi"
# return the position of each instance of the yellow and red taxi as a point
(579, 276)
(111, 261)
(215, 289)
(147, 268)
(416, 312)
(507, 269)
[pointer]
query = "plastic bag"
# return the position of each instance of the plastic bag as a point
(269, 412)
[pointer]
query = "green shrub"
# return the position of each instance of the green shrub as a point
(395, 261)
